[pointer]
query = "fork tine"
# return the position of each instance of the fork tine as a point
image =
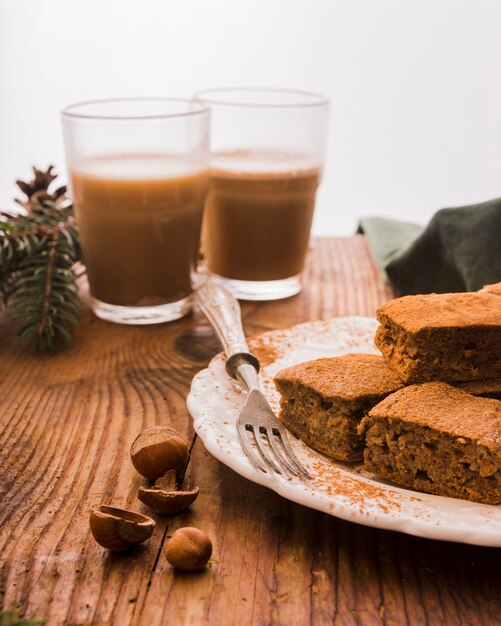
(292, 458)
(262, 448)
(269, 437)
(248, 449)
(282, 458)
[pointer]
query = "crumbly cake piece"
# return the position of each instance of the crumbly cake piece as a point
(323, 401)
(438, 439)
(494, 288)
(483, 388)
(448, 337)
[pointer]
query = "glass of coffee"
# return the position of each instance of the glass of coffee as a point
(139, 173)
(267, 154)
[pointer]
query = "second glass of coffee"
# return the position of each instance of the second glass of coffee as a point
(267, 155)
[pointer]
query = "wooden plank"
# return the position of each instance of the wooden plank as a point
(66, 423)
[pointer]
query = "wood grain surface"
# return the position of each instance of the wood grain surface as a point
(66, 424)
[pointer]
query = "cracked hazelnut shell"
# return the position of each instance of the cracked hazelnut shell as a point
(164, 498)
(119, 529)
(158, 449)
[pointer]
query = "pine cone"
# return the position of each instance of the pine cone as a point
(37, 190)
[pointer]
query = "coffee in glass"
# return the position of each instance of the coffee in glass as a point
(138, 174)
(267, 152)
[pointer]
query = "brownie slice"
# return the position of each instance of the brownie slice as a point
(323, 401)
(453, 336)
(438, 439)
(483, 388)
(494, 288)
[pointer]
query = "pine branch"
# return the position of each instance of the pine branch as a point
(25, 235)
(38, 252)
(10, 617)
(45, 296)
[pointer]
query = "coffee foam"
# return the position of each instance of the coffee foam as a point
(261, 162)
(138, 167)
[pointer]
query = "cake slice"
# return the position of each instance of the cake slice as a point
(483, 388)
(323, 401)
(438, 439)
(448, 337)
(494, 288)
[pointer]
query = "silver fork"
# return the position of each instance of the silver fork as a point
(261, 435)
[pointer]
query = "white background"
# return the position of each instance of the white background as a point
(415, 84)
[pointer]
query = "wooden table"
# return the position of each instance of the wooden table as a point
(67, 422)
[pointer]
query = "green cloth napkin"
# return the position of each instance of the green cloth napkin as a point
(459, 250)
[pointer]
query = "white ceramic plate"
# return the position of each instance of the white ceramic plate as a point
(341, 489)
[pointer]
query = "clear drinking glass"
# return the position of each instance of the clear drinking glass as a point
(267, 155)
(139, 172)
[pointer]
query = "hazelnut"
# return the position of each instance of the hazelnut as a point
(164, 497)
(188, 549)
(158, 449)
(119, 529)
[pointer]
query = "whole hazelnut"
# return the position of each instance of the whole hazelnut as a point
(188, 549)
(158, 449)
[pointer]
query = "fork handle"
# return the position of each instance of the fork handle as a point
(222, 310)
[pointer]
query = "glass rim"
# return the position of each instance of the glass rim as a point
(311, 99)
(69, 111)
